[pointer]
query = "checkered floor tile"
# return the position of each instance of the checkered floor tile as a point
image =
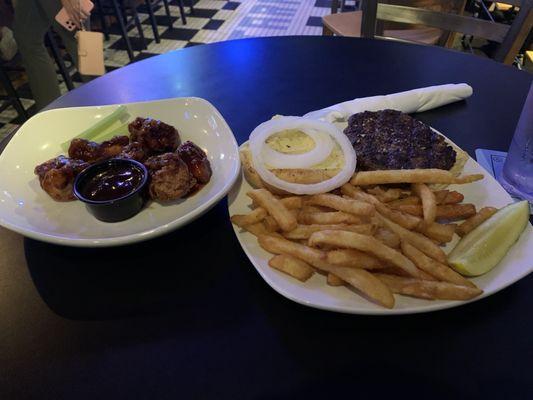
(212, 21)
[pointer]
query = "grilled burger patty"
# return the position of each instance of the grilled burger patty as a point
(390, 139)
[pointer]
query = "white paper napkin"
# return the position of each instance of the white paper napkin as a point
(411, 101)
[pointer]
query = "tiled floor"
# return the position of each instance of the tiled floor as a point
(212, 21)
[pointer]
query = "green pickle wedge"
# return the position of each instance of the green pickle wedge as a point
(483, 248)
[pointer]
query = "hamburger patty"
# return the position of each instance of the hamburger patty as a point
(390, 139)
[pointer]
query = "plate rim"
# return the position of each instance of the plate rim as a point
(442, 305)
(146, 234)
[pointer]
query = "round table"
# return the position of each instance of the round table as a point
(187, 316)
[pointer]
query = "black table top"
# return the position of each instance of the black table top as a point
(187, 316)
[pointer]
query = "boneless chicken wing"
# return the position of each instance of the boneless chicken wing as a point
(196, 160)
(91, 152)
(170, 178)
(57, 175)
(134, 151)
(154, 135)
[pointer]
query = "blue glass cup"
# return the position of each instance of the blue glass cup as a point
(517, 175)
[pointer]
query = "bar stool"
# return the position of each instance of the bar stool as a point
(11, 98)
(150, 4)
(126, 15)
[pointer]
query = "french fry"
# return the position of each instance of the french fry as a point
(341, 204)
(361, 280)
(434, 268)
(305, 176)
(445, 211)
(376, 239)
(256, 229)
(315, 209)
(448, 197)
(440, 195)
(305, 231)
(259, 213)
(366, 284)
(291, 202)
(388, 237)
(385, 196)
(430, 290)
(411, 209)
(455, 211)
(461, 180)
(328, 218)
(442, 233)
(409, 200)
(292, 266)
(271, 224)
(252, 217)
(334, 280)
(364, 243)
(431, 175)
(357, 193)
(354, 259)
(393, 270)
(308, 254)
(429, 203)
(259, 229)
(475, 220)
(405, 220)
(275, 208)
(418, 240)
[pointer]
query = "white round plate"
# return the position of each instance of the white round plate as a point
(317, 293)
(25, 208)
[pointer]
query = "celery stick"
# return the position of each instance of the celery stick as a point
(121, 129)
(99, 127)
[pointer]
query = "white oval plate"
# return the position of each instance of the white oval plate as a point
(25, 208)
(318, 294)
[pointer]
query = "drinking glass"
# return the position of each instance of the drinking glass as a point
(517, 175)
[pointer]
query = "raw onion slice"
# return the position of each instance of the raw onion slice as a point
(323, 148)
(266, 129)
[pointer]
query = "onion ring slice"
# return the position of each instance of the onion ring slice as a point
(266, 129)
(323, 148)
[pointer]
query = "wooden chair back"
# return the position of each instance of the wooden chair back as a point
(510, 37)
(449, 6)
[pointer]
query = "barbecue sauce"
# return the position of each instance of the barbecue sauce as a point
(113, 183)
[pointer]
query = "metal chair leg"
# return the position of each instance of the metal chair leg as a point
(167, 10)
(120, 20)
(182, 10)
(139, 26)
(12, 94)
(103, 22)
(191, 6)
(153, 22)
(59, 60)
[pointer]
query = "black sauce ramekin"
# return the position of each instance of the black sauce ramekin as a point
(118, 209)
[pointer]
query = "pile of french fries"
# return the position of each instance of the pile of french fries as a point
(379, 240)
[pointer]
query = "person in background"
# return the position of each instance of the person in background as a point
(33, 18)
(8, 46)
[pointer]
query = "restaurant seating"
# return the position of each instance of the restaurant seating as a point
(509, 37)
(126, 15)
(11, 98)
(53, 46)
(150, 4)
(349, 23)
